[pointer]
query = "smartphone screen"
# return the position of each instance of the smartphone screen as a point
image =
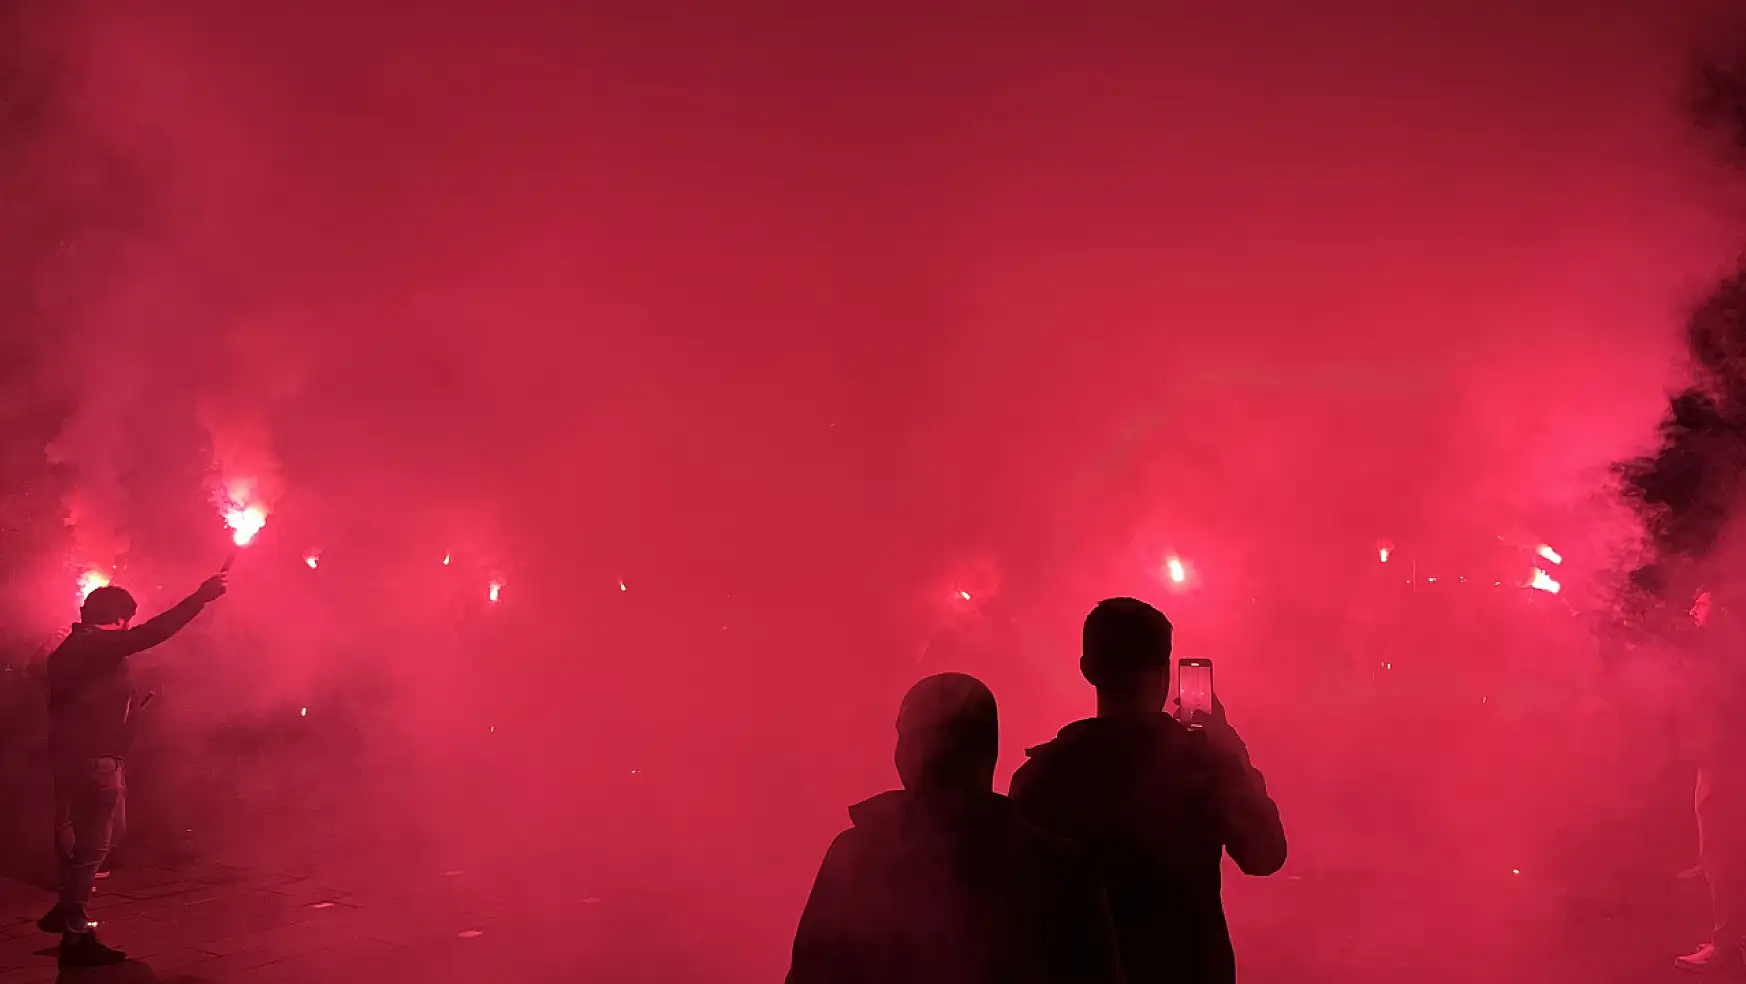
(1194, 687)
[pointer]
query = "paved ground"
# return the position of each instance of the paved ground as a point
(291, 890)
(212, 922)
(206, 922)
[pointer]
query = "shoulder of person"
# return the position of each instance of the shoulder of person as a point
(846, 848)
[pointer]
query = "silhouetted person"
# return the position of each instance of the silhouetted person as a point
(91, 706)
(1154, 803)
(63, 810)
(941, 882)
(1717, 726)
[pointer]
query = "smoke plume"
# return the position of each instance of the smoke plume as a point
(1687, 491)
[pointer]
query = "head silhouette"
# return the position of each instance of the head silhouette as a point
(108, 605)
(1125, 654)
(948, 735)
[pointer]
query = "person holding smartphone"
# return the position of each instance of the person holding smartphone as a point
(1155, 801)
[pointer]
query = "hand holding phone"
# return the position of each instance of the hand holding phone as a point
(1194, 689)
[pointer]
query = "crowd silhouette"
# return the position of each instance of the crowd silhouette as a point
(1102, 865)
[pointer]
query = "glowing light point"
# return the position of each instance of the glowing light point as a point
(1543, 582)
(1382, 554)
(90, 581)
(245, 522)
(1173, 567)
(495, 590)
(964, 595)
(621, 586)
(1550, 554)
(1515, 871)
(303, 712)
(313, 560)
(445, 560)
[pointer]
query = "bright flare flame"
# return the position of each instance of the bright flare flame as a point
(90, 581)
(495, 589)
(1178, 573)
(1543, 581)
(312, 560)
(246, 522)
(304, 712)
(445, 560)
(964, 595)
(1550, 554)
(1382, 554)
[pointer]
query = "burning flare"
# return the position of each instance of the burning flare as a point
(496, 588)
(313, 560)
(90, 581)
(1550, 554)
(1543, 581)
(1173, 567)
(245, 521)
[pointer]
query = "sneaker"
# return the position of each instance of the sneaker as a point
(1710, 959)
(53, 923)
(84, 950)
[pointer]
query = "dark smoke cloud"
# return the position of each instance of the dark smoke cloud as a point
(1688, 492)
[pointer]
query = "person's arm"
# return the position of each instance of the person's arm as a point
(1249, 821)
(1253, 833)
(824, 951)
(154, 631)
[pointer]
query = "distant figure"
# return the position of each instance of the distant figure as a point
(91, 705)
(1718, 733)
(1153, 802)
(941, 882)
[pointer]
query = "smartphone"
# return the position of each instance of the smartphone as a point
(1194, 687)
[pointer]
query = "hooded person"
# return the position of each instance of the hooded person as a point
(941, 881)
(1153, 802)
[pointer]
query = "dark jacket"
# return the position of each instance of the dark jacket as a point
(91, 697)
(952, 889)
(1156, 805)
